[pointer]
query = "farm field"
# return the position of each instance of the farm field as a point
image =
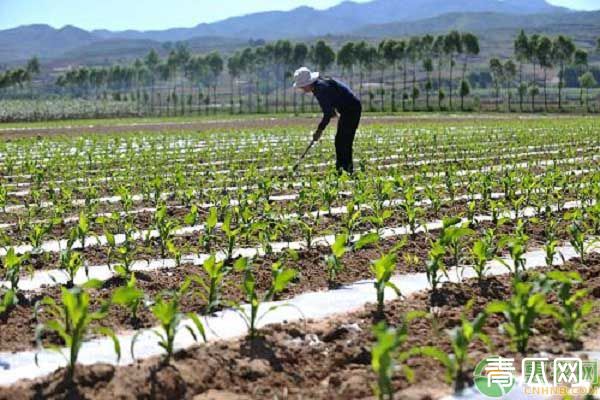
(190, 260)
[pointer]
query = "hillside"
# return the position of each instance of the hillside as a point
(343, 18)
(20, 43)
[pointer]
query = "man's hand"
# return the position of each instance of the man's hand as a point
(317, 135)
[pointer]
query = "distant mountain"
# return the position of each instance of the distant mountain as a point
(481, 22)
(347, 18)
(343, 18)
(41, 40)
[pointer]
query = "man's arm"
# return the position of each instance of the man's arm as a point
(328, 112)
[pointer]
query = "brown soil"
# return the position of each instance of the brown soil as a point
(320, 360)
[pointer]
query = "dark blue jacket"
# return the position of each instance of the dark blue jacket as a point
(334, 95)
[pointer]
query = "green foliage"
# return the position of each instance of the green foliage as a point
(461, 337)
(72, 320)
(383, 269)
(167, 311)
(572, 309)
(521, 311)
(250, 312)
(334, 260)
(129, 296)
(386, 354)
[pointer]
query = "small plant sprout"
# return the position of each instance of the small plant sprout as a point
(461, 337)
(208, 236)
(249, 313)
(12, 264)
(521, 311)
(334, 260)
(129, 296)
(483, 251)
(551, 242)
(435, 267)
(383, 269)
(517, 247)
(165, 227)
(72, 320)
(451, 237)
(231, 236)
(386, 354)
(70, 262)
(167, 310)
(572, 309)
(577, 233)
(210, 287)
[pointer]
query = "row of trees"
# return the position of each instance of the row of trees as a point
(542, 54)
(435, 66)
(20, 77)
(256, 73)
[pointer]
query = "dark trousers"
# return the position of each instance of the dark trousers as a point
(344, 139)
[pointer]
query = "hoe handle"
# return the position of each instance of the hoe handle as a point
(304, 154)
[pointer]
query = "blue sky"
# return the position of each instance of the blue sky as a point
(158, 14)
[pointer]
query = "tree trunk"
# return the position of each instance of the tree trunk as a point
(393, 99)
(382, 91)
(545, 90)
(439, 82)
(560, 85)
(520, 85)
(533, 90)
(451, 70)
(232, 95)
(404, 88)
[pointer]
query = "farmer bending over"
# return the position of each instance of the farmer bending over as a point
(333, 95)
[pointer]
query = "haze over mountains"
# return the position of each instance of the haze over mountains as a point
(373, 19)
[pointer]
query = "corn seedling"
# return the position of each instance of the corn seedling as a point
(383, 269)
(572, 309)
(249, 313)
(386, 355)
(166, 309)
(461, 337)
(521, 311)
(334, 260)
(72, 320)
(129, 296)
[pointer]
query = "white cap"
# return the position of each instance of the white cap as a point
(303, 77)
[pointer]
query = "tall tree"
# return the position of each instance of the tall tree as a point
(299, 55)
(215, 64)
(399, 50)
(413, 52)
(438, 52)
(510, 73)
(497, 71)
(33, 70)
(322, 55)
(234, 66)
(587, 81)
(563, 50)
(360, 51)
(544, 56)
(426, 54)
(152, 61)
(283, 60)
(452, 47)
(470, 45)
(248, 61)
(384, 61)
(346, 58)
(521, 52)
(580, 61)
(533, 59)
